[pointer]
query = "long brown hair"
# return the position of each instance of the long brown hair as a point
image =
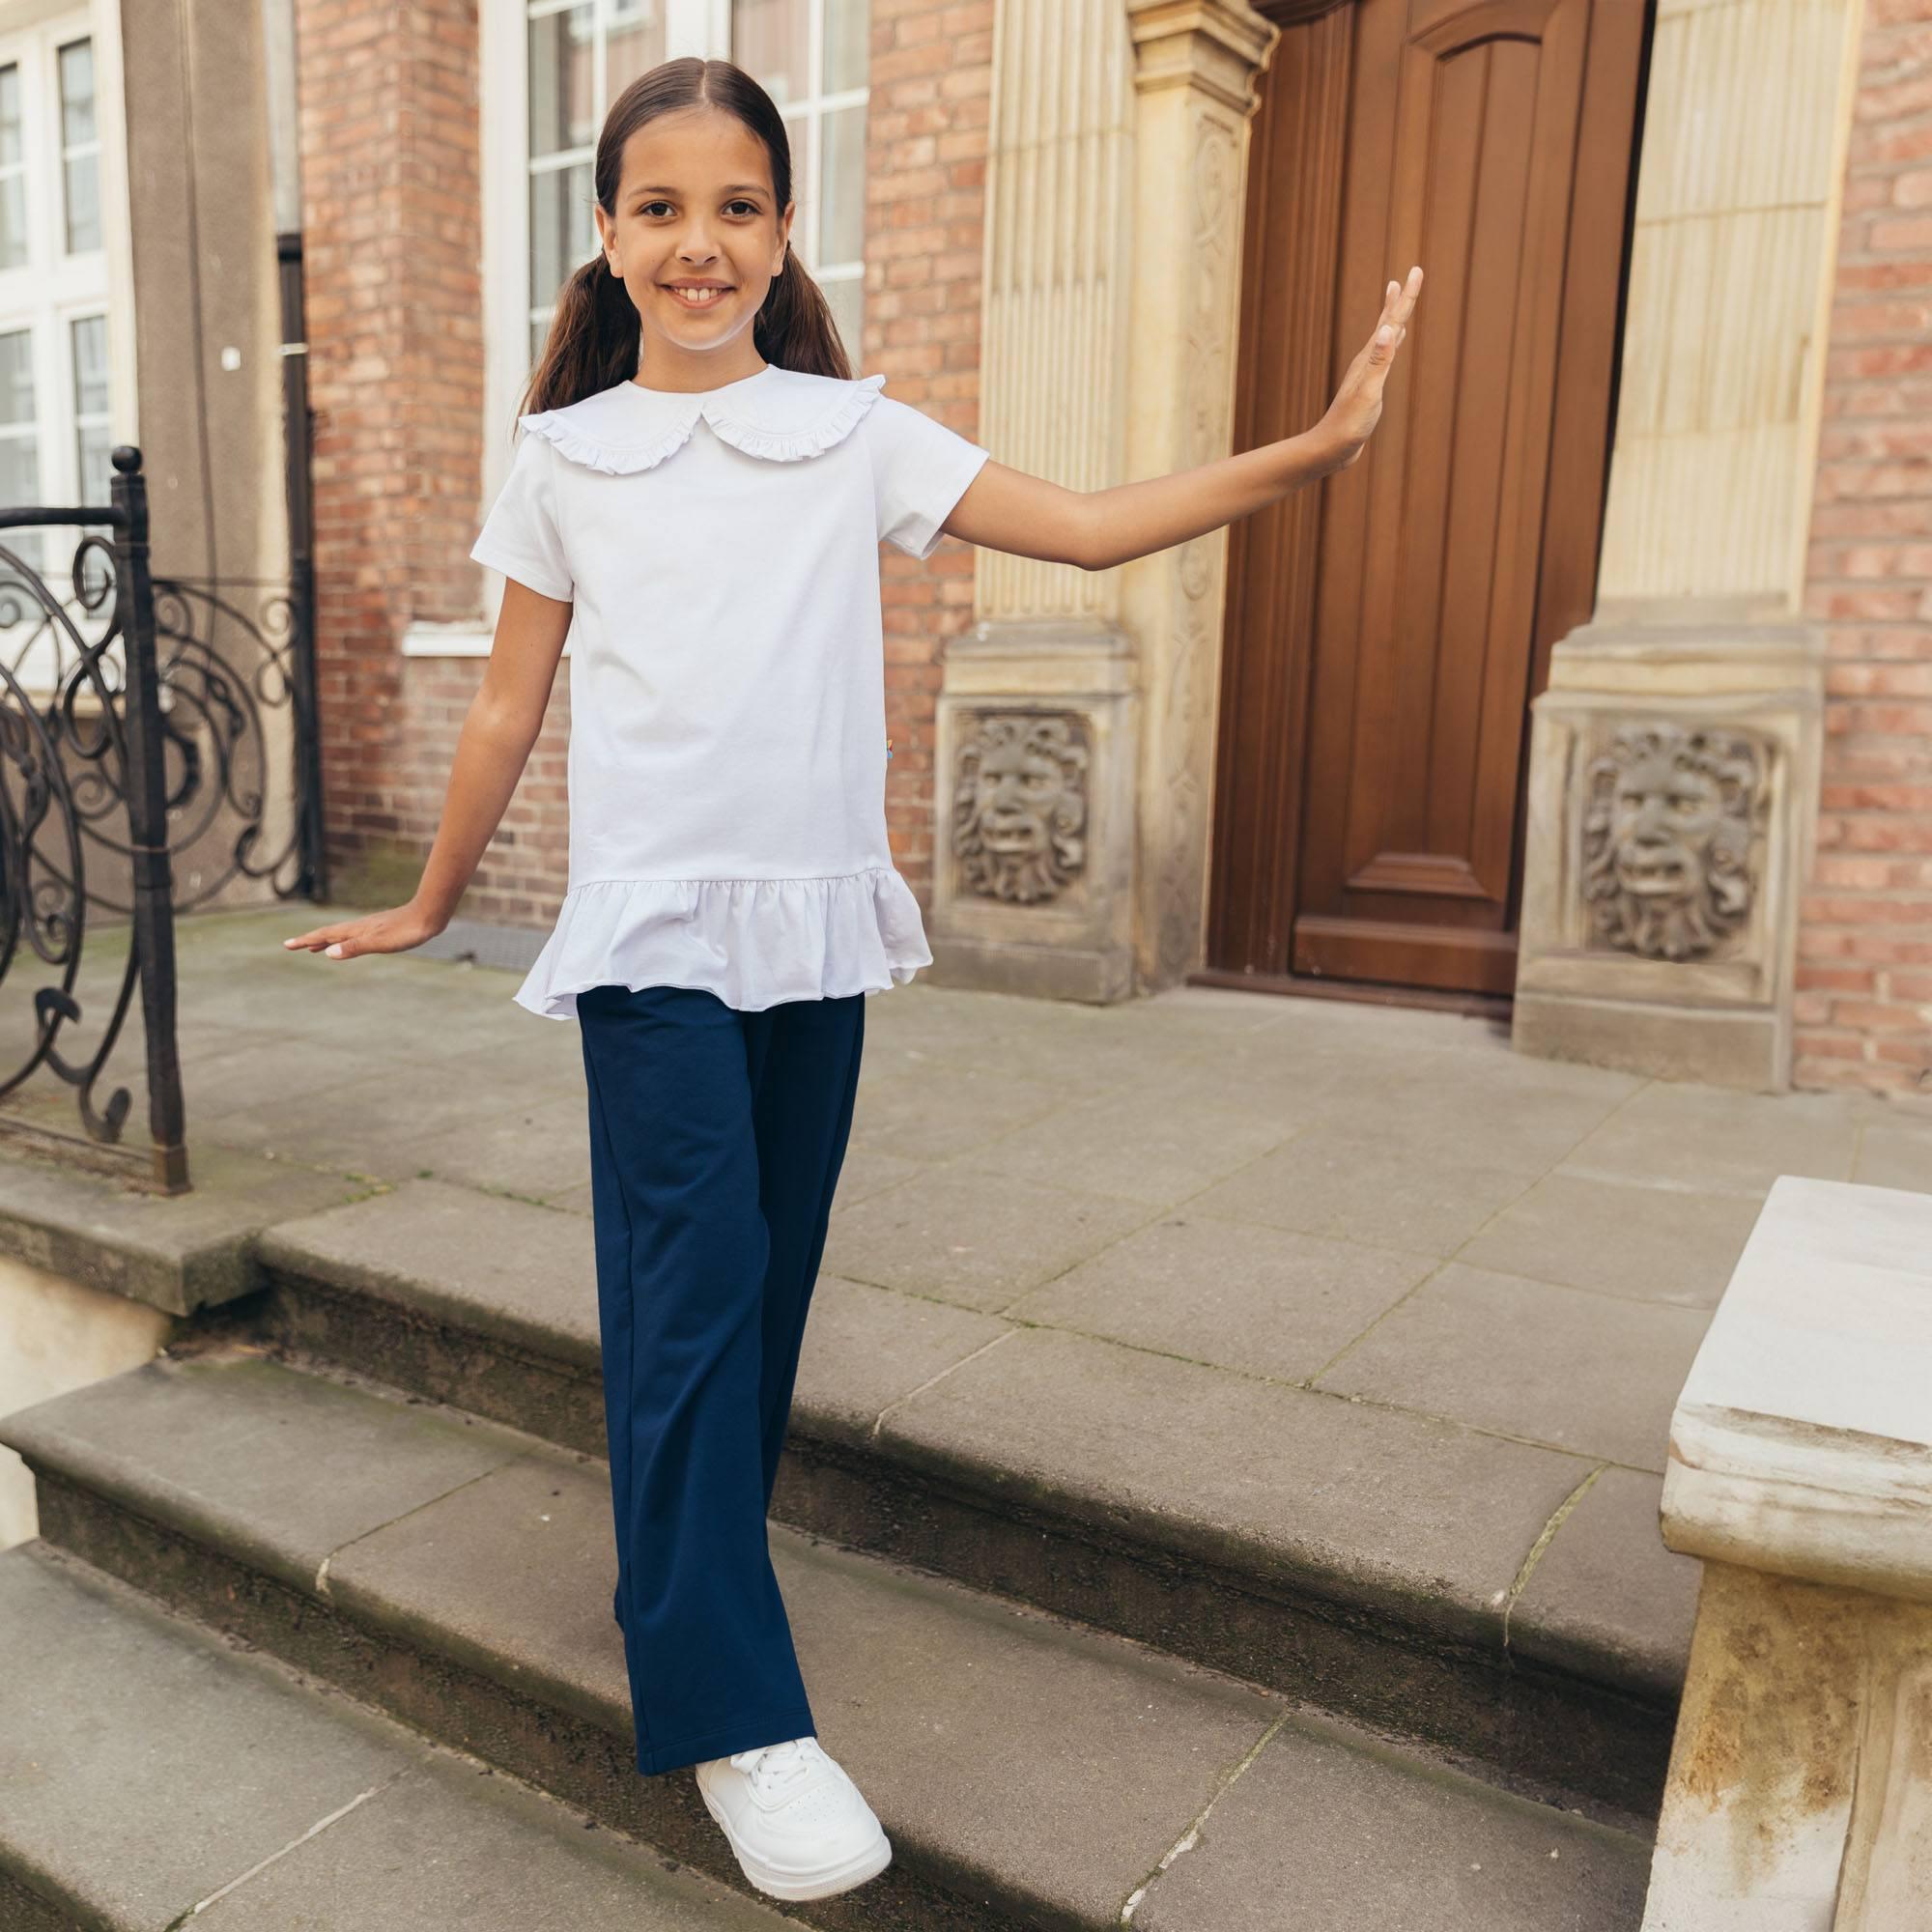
(594, 333)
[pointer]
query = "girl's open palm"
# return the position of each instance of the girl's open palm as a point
(393, 932)
(1357, 408)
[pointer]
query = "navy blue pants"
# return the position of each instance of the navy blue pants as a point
(715, 1138)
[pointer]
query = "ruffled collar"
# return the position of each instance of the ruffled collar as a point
(781, 414)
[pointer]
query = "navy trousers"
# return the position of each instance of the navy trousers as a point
(716, 1139)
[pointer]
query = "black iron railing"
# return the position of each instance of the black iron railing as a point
(156, 752)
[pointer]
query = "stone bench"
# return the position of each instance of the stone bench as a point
(1800, 1791)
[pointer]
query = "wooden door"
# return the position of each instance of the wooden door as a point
(1388, 627)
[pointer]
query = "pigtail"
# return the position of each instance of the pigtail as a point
(594, 332)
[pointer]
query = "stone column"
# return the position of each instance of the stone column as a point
(1800, 1792)
(1674, 758)
(1074, 740)
(1037, 720)
(1196, 65)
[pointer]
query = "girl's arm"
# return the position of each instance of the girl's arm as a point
(504, 717)
(1005, 509)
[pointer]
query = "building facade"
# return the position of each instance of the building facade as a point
(1600, 691)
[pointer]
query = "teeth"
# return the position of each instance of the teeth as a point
(697, 297)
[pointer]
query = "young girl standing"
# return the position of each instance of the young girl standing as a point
(698, 497)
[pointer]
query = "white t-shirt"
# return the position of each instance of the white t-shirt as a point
(727, 737)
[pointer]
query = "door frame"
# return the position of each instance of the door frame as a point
(1305, 100)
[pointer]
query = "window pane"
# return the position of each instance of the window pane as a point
(83, 204)
(12, 221)
(842, 224)
(634, 42)
(769, 40)
(16, 378)
(563, 236)
(848, 31)
(10, 116)
(90, 366)
(76, 87)
(96, 472)
(562, 112)
(846, 301)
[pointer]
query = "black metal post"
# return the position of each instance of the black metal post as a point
(147, 824)
(297, 443)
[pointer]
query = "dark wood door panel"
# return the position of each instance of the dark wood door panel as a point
(1478, 136)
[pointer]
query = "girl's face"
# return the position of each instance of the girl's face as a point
(696, 209)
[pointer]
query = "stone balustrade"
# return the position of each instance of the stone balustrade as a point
(1800, 1792)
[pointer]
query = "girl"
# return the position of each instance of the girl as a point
(700, 493)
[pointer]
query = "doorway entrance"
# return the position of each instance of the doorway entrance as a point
(1388, 628)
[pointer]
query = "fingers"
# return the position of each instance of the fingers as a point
(333, 940)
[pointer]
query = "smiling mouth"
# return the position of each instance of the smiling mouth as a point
(697, 297)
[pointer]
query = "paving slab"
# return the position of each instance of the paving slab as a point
(1502, 1354)
(1899, 1156)
(1638, 1239)
(1368, 1189)
(976, 1239)
(1607, 1598)
(1719, 1141)
(525, 1274)
(174, 1252)
(1258, 1299)
(1362, 1505)
(895, 1107)
(867, 1347)
(1324, 1830)
(1118, 1144)
(234, 1449)
(151, 1769)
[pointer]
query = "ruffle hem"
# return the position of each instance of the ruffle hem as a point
(752, 942)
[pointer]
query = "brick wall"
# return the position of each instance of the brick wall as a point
(1864, 983)
(388, 104)
(926, 163)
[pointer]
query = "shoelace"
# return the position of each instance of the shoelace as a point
(774, 1767)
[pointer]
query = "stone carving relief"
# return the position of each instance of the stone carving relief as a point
(1019, 804)
(1671, 824)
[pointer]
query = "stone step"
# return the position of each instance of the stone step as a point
(153, 1770)
(1507, 1604)
(1030, 1771)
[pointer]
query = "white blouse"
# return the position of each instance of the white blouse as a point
(727, 724)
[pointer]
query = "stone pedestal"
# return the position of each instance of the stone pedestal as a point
(1037, 729)
(1673, 787)
(1800, 1793)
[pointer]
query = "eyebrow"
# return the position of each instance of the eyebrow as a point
(732, 187)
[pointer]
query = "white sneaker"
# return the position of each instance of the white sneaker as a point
(796, 1821)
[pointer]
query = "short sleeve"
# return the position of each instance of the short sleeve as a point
(519, 537)
(920, 470)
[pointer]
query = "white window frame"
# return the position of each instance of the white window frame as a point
(700, 27)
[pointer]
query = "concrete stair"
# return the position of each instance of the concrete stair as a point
(1256, 1532)
(154, 1774)
(455, 1573)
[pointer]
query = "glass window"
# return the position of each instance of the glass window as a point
(20, 440)
(580, 57)
(812, 57)
(92, 432)
(13, 172)
(80, 150)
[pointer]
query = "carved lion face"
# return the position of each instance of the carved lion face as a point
(1019, 807)
(1667, 838)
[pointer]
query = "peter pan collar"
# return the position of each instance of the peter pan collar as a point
(781, 414)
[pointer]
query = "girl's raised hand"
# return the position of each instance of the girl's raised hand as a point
(1357, 408)
(393, 931)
